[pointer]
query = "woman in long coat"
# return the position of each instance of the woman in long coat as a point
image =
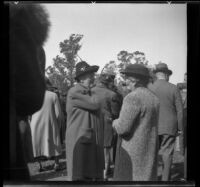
(136, 157)
(84, 134)
(45, 128)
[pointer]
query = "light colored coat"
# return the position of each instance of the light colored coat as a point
(84, 135)
(45, 127)
(137, 150)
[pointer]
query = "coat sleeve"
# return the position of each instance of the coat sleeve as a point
(129, 112)
(179, 109)
(84, 101)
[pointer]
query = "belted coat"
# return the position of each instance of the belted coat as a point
(84, 135)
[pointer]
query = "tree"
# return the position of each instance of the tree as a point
(62, 72)
(110, 67)
(140, 58)
(125, 58)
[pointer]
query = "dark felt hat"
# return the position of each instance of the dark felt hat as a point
(83, 68)
(162, 67)
(137, 70)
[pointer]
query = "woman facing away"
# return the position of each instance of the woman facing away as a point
(137, 149)
(45, 128)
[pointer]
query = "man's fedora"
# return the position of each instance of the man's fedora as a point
(137, 70)
(83, 68)
(162, 67)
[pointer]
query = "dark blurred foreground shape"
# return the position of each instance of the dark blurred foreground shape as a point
(28, 28)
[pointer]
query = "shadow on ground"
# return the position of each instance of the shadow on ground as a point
(177, 170)
(49, 172)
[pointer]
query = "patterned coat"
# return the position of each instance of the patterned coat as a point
(136, 156)
(84, 135)
(109, 108)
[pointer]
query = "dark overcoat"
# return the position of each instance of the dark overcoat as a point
(136, 156)
(84, 135)
(171, 107)
(109, 108)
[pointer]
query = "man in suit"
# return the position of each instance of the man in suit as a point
(170, 115)
(110, 111)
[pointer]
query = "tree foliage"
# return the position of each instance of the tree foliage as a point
(125, 58)
(140, 58)
(62, 72)
(110, 67)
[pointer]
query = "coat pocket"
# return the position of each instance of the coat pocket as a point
(87, 136)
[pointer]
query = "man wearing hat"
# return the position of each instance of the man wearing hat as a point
(84, 134)
(170, 116)
(110, 110)
(137, 148)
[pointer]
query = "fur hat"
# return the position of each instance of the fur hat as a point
(31, 18)
(83, 68)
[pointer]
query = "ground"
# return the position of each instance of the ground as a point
(50, 174)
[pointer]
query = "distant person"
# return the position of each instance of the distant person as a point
(84, 134)
(108, 100)
(170, 116)
(183, 143)
(45, 128)
(28, 30)
(63, 127)
(137, 126)
(117, 107)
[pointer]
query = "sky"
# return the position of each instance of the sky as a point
(158, 30)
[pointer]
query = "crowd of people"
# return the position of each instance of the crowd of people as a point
(100, 126)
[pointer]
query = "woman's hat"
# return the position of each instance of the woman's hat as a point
(136, 70)
(83, 68)
(162, 67)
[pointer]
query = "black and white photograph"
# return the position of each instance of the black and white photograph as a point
(97, 92)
